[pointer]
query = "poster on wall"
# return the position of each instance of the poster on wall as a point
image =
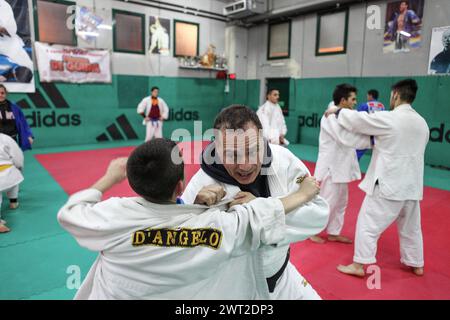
(403, 29)
(159, 31)
(16, 64)
(87, 23)
(70, 64)
(439, 62)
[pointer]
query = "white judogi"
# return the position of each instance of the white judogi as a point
(394, 180)
(164, 268)
(12, 47)
(308, 220)
(11, 161)
(337, 165)
(272, 120)
(154, 128)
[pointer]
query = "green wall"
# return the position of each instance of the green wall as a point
(97, 106)
(310, 97)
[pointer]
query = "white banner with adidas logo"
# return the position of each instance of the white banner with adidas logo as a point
(71, 64)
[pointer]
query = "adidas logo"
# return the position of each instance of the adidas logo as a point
(113, 132)
(49, 98)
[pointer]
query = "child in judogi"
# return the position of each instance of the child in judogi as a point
(152, 248)
(11, 163)
(337, 163)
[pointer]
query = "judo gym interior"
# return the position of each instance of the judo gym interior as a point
(85, 82)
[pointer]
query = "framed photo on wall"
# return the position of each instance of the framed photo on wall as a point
(159, 32)
(332, 30)
(279, 41)
(439, 62)
(186, 39)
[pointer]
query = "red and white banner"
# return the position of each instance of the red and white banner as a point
(70, 64)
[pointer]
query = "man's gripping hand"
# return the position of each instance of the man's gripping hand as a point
(210, 195)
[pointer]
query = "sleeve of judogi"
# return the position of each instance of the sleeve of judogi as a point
(15, 152)
(90, 225)
(345, 137)
(7, 20)
(248, 226)
(142, 106)
(309, 219)
(164, 109)
(281, 122)
(373, 124)
(269, 133)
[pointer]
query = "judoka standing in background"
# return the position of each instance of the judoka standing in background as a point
(234, 163)
(11, 163)
(154, 110)
(337, 164)
(272, 119)
(394, 180)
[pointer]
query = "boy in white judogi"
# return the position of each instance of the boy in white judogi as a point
(271, 175)
(11, 162)
(337, 163)
(154, 110)
(394, 180)
(272, 119)
(152, 248)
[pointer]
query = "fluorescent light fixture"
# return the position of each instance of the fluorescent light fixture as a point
(89, 34)
(105, 27)
(277, 64)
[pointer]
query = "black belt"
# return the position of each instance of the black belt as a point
(272, 281)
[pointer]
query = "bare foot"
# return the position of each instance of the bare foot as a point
(317, 239)
(13, 205)
(339, 239)
(4, 228)
(352, 269)
(418, 271)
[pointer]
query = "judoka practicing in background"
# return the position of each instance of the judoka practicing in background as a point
(272, 119)
(337, 164)
(241, 160)
(394, 179)
(11, 45)
(11, 162)
(154, 110)
(152, 248)
(372, 105)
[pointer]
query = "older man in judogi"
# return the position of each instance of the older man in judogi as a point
(394, 179)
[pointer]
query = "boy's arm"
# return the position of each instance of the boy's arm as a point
(90, 225)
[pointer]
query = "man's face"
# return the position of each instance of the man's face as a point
(2, 94)
(241, 152)
(274, 96)
(350, 102)
(403, 7)
(155, 93)
(369, 97)
(446, 40)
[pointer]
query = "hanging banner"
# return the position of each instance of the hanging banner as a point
(16, 64)
(70, 64)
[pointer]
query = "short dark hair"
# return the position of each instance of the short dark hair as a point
(374, 93)
(236, 117)
(151, 171)
(407, 89)
(406, 2)
(3, 87)
(271, 90)
(342, 91)
(154, 88)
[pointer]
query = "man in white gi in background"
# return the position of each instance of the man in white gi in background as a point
(11, 45)
(152, 248)
(337, 163)
(154, 110)
(11, 162)
(394, 180)
(272, 119)
(241, 160)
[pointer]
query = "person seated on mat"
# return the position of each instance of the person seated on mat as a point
(152, 248)
(11, 163)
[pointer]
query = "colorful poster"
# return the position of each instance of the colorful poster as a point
(159, 36)
(439, 62)
(403, 29)
(16, 64)
(70, 64)
(87, 23)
